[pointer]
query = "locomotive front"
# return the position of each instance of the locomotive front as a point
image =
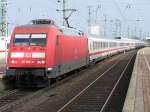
(27, 50)
(38, 53)
(27, 55)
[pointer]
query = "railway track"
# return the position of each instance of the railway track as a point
(84, 101)
(8, 93)
(95, 96)
(13, 96)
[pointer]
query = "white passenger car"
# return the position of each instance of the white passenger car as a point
(100, 48)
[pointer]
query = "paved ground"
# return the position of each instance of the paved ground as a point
(2, 65)
(2, 70)
(138, 97)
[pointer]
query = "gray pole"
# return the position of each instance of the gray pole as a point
(64, 12)
(65, 15)
(89, 18)
(96, 13)
(105, 26)
(128, 31)
(140, 33)
(3, 26)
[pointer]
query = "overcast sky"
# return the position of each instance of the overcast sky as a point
(120, 15)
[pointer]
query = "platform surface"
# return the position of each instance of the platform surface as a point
(138, 96)
(2, 68)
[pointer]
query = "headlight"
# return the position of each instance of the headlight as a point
(17, 55)
(38, 55)
(41, 62)
(14, 62)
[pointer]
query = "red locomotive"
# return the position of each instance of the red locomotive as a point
(43, 51)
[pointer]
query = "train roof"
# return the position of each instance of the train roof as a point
(113, 40)
(33, 26)
(45, 23)
(39, 23)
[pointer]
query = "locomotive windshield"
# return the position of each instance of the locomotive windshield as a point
(30, 39)
(22, 39)
(38, 39)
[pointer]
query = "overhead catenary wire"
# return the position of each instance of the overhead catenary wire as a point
(119, 10)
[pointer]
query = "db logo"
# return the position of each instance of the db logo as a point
(28, 55)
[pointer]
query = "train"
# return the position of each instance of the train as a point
(4, 42)
(42, 51)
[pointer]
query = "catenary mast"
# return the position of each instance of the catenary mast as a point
(3, 17)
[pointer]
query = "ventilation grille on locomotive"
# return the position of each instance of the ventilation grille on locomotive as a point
(43, 21)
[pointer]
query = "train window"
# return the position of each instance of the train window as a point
(107, 45)
(110, 44)
(22, 39)
(102, 44)
(96, 45)
(99, 45)
(30, 39)
(38, 39)
(93, 45)
(90, 46)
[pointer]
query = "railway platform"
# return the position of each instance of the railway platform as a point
(2, 75)
(2, 70)
(138, 96)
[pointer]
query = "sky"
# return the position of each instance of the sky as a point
(116, 17)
